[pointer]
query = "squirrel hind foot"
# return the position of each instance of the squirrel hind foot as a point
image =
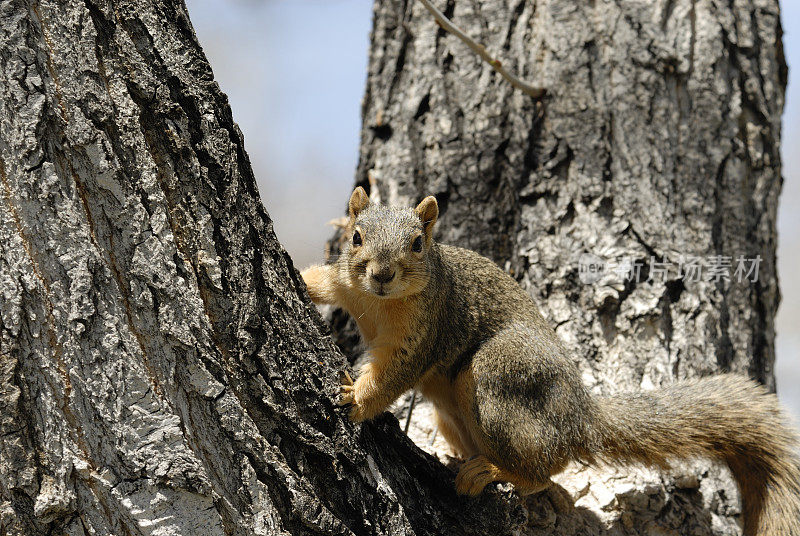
(478, 472)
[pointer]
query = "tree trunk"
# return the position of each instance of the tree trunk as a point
(658, 139)
(161, 368)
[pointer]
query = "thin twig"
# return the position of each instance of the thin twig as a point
(410, 409)
(480, 50)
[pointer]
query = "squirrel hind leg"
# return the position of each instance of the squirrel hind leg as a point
(478, 472)
(459, 442)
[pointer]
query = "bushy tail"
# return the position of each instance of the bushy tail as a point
(727, 417)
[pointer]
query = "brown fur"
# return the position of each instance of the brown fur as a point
(729, 418)
(508, 397)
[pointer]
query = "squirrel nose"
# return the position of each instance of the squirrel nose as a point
(383, 276)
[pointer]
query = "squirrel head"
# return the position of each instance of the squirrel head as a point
(388, 248)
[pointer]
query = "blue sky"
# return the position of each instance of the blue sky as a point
(295, 72)
(787, 368)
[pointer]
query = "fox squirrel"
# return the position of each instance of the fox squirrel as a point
(508, 398)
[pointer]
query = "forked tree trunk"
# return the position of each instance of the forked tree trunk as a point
(161, 370)
(658, 139)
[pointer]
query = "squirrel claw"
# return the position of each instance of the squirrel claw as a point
(474, 475)
(346, 391)
(346, 395)
(346, 380)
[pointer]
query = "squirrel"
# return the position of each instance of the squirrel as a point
(509, 399)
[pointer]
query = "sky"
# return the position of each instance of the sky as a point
(295, 72)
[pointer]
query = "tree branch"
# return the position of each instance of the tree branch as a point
(480, 50)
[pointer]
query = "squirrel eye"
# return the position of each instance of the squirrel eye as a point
(416, 246)
(356, 238)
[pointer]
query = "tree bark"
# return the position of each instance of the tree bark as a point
(659, 138)
(162, 370)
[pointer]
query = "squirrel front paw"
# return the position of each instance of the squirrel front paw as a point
(347, 395)
(357, 396)
(320, 284)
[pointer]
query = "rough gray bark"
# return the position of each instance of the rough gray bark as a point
(659, 137)
(161, 368)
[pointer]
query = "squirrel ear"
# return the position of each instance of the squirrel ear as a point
(358, 202)
(428, 211)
